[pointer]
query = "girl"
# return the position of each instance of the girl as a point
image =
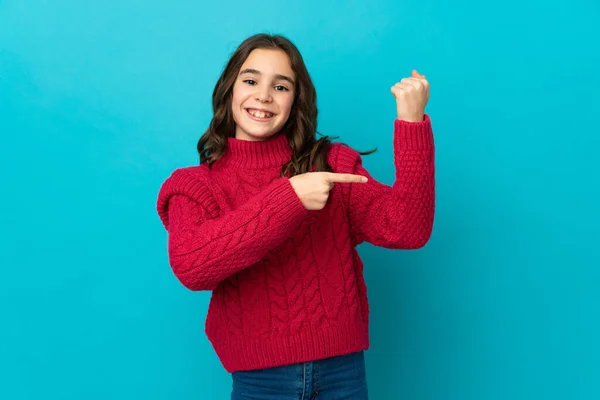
(270, 220)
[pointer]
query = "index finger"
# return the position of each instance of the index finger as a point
(345, 178)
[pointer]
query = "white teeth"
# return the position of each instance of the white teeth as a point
(260, 114)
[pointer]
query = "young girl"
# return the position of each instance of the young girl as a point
(270, 219)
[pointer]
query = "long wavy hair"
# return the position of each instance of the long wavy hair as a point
(309, 153)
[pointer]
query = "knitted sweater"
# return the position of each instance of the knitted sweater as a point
(287, 283)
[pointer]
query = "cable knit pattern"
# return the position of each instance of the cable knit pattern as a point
(288, 283)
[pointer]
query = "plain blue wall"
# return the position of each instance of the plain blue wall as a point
(100, 101)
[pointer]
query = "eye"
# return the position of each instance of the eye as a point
(281, 88)
(250, 82)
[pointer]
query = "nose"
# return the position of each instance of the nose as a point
(263, 95)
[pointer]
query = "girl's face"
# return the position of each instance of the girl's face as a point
(263, 95)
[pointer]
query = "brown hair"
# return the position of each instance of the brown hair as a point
(308, 152)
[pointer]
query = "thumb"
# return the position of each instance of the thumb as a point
(417, 75)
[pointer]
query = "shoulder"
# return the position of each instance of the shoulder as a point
(343, 158)
(191, 182)
(185, 180)
(189, 172)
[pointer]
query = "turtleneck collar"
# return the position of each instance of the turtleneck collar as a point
(270, 153)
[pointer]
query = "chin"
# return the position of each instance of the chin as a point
(248, 133)
(262, 135)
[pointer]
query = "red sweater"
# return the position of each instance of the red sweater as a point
(287, 284)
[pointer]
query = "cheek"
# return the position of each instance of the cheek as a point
(287, 104)
(239, 95)
(236, 100)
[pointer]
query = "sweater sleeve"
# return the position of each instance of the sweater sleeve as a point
(398, 216)
(205, 250)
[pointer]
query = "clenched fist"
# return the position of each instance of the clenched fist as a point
(411, 96)
(313, 187)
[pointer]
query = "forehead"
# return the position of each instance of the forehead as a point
(269, 62)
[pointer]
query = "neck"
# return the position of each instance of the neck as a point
(247, 154)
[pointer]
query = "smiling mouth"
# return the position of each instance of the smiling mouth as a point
(259, 115)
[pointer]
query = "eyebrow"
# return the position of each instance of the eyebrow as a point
(257, 72)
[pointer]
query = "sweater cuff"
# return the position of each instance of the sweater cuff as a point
(285, 203)
(413, 135)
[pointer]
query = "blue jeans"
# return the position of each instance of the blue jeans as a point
(337, 378)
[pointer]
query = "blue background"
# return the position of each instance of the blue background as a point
(100, 101)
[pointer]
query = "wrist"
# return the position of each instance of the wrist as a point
(412, 118)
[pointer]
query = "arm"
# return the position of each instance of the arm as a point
(203, 251)
(400, 216)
